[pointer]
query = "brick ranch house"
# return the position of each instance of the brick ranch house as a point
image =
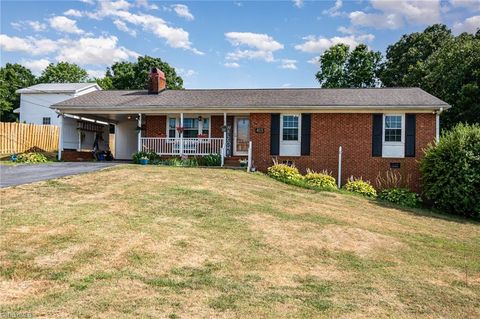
(377, 129)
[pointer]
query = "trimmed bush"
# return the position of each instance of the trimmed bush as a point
(359, 186)
(210, 160)
(320, 180)
(400, 196)
(31, 158)
(284, 172)
(451, 171)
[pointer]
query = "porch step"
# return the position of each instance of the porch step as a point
(234, 161)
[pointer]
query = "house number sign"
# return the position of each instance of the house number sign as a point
(259, 130)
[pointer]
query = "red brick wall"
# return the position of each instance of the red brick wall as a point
(351, 131)
(155, 126)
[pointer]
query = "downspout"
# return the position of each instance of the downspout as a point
(437, 124)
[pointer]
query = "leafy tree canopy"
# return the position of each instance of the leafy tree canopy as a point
(134, 75)
(63, 72)
(441, 64)
(12, 78)
(340, 67)
(405, 60)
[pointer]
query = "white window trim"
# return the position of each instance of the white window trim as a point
(402, 136)
(400, 144)
(299, 129)
(200, 124)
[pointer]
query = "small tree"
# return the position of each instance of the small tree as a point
(63, 72)
(451, 171)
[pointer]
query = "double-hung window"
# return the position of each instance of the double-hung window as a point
(290, 128)
(393, 135)
(192, 127)
(393, 128)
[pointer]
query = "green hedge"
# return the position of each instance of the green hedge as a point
(451, 171)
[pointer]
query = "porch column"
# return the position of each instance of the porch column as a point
(181, 134)
(224, 148)
(139, 136)
(60, 137)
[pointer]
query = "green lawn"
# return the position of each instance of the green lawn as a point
(150, 242)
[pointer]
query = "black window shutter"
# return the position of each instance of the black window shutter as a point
(306, 129)
(275, 134)
(410, 128)
(377, 129)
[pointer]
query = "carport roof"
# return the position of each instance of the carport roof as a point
(414, 98)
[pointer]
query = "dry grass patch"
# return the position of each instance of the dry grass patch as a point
(149, 242)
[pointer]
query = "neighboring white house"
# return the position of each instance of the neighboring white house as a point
(35, 101)
(76, 134)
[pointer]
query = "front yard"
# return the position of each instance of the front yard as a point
(147, 241)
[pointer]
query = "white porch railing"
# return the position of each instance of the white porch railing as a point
(179, 146)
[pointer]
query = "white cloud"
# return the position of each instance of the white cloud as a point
(34, 25)
(334, 11)
(103, 50)
(470, 25)
(232, 65)
(379, 21)
(174, 37)
(186, 72)
(29, 45)
(64, 24)
(393, 14)
(182, 11)
(315, 61)
(93, 51)
(288, 64)
(88, 1)
(314, 44)
(146, 5)
(97, 74)
(298, 3)
(263, 46)
(73, 13)
(122, 26)
(469, 4)
(36, 66)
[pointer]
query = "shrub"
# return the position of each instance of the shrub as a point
(210, 160)
(152, 157)
(33, 157)
(359, 186)
(391, 179)
(180, 161)
(323, 180)
(400, 196)
(284, 173)
(451, 171)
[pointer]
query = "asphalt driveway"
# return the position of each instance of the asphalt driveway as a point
(28, 173)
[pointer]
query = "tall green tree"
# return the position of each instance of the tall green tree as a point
(453, 74)
(12, 78)
(63, 72)
(134, 75)
(340, 67)
(405, 63)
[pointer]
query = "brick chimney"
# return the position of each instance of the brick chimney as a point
(156, 81)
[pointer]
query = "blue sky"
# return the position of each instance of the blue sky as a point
(216, 44)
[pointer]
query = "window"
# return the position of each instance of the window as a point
(46, 121)
(393, 128)
(290, 128)
(172, 127)
(190, 128)
(205, 127)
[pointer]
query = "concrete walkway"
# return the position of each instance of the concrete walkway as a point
(28, 173)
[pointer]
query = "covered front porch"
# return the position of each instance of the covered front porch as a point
(195, 134)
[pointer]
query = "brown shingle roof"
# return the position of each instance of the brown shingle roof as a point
(256, 98)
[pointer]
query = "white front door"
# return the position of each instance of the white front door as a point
(241, 135)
